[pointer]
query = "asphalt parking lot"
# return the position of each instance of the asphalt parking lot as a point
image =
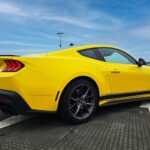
(119, 127)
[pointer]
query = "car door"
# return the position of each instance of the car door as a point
(124, 74)
(101, 69)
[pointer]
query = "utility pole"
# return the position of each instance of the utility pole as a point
(60, 36)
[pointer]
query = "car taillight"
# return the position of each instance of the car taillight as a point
(12, 66)
(4, 101)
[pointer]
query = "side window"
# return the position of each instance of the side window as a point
(88, 53)
(116, 56)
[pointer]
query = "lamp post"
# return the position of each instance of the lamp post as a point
(60, 36)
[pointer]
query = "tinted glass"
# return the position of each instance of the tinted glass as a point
(88, 53)
(116, 56)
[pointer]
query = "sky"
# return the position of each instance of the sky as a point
(31, 26)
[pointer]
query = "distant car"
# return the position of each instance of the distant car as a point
(148, 63)
(72, 82)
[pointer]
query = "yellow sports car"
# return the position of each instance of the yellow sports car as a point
(72, 82)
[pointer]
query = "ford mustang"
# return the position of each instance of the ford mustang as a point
(73, 82)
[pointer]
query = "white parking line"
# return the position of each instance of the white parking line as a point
(146, 105)
(13, 120)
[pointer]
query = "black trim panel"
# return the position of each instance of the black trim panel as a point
(13, 102)
(124, 95)
(57, 95)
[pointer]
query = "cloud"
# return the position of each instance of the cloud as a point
(131, 3)
(16, 43)
(8, 8)
(142, 32)
(11, 9)
(23, 51)
(90, 20)
(69, 20)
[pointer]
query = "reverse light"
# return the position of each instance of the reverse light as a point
(12, 66)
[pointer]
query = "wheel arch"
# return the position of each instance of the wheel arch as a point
(78, 78)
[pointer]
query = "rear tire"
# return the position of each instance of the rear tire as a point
(79, 101)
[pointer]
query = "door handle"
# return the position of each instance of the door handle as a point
(115, 71)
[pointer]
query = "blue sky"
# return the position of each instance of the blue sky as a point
(30, 26)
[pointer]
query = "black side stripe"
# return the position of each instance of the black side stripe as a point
(125, 101)
(122, 95)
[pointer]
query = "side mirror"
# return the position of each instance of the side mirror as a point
(141, 62)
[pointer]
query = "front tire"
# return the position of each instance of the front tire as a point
(79, 101)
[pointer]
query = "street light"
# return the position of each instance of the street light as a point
(60, 35)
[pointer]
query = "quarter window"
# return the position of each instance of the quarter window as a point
(89, 53)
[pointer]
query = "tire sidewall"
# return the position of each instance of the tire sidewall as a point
(67, 115)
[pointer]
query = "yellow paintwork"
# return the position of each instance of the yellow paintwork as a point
(46, 74)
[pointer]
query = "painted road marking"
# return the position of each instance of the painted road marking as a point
(146, 105)
(13, 120)
(4, 116)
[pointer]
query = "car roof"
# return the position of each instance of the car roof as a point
(77, 48)
(93, 46)
(72, 50)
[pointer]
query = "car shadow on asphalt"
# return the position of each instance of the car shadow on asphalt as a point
(42, 120)
(55, 120)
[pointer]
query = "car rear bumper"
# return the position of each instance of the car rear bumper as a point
(13, 102)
